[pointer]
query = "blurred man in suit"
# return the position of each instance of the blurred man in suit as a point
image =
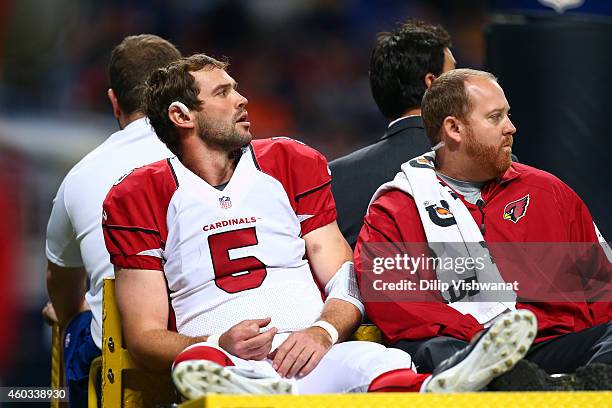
(403, 65)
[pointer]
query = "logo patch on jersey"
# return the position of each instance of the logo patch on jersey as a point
(440, 214)
(225, 202)
(515, 210)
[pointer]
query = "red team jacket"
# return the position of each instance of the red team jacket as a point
(525, 205)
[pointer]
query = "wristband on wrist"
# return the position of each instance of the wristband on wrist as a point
(329, 328)
(213, 339)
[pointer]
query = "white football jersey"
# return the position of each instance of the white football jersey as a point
(227, 255)
(74, 232)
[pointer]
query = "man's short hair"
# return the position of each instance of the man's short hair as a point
(131, 63)
(448, 96)
(175, 83)
(399, 62)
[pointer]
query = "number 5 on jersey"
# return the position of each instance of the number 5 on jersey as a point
(235, 275)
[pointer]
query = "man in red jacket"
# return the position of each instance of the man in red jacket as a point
(485, 198)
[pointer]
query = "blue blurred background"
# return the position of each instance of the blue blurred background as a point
(303, 66)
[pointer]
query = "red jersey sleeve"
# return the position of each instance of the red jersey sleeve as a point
(305, 176)
(393, 218)
(134, 217)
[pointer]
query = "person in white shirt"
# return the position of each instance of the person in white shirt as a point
(77, 258)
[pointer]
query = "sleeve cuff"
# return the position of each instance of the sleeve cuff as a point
(320, 220)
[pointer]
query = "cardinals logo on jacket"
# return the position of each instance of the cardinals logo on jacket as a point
(515, 210)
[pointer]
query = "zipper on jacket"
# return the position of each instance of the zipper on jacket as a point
(480, 204)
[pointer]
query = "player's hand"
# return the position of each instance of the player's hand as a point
(49, 315)
(301, 352)
(244, 340)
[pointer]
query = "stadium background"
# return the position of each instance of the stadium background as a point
(303, 66)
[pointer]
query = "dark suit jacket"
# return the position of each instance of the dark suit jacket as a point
(357, 176)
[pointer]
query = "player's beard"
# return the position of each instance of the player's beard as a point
(224, 135)
(494, 159)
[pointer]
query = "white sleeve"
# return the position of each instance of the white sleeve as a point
(343, 285)
(604, 244)
(62, 247)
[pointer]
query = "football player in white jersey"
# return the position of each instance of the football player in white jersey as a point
(78, 260)
(229, 261)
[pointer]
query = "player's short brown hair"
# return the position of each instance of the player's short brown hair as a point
(131, 63)
(448, 96)
(175, 83)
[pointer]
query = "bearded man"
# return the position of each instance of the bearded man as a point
(467, 199)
